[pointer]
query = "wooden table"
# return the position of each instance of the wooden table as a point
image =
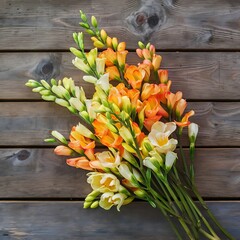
(41, 197)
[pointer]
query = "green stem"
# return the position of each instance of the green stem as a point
(169, 220)
(182, 154)
(224, 231)
(203, 218)
(188, 210)
(207, 235)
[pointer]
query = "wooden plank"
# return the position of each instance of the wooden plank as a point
(39, 173)
(67, 220)
(196, 74)
(169, 24)
(30, 123)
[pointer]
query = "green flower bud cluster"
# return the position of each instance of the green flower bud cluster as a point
(64, 93)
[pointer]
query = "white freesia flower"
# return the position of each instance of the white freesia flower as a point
(103, 182)
(103, 82)
(159, 136)
(109, 199)
(107, 159)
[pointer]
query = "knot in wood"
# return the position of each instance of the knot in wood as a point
(23, 155)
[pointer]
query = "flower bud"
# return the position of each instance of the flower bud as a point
(139, 52)
(140, 193)
(49, 98)
(95, 204)
(59, 137)
(109, 42)
(103, 35)
(126, 135)
(141, 45)
(38, 89)
(115, 43)
(146, 54)
(170, 159)
(156, 62)
(45, 92)
(192, 132)
(61, 102)
(45, 84)
(163, 76)
(76, 52)
(121, 46)
(94, 21)
(98, 44)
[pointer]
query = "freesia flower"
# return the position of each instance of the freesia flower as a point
(159, 136)
(134, 76)
(79, 162)
(113, 73)
(110, 199)
(103, 182)
(107, 159)
(63, 150)
(184, 122)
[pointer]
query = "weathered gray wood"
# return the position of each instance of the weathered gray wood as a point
(187, 24)
(198, 75)
(39, 173)
(68, 220)
(26, 123)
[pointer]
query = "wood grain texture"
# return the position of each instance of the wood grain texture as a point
(67, 220)
(27, 124)
(169, 24)
(39, 173)
(199, 75)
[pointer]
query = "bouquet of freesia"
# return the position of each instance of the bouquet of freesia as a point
(139, 121)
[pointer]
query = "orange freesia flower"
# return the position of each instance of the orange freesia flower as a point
(173, 98)
(180, 107)
(111, 140)
(113, 72)
(152, 107)
(139, 134)
(133, 94)
(134, 76)
(185, 121)
(63, 150)
(156, 61)
(100, 128)
(148, 122)
(145, 70)
(111, 57)
(121, 58)
(115, 97)
(80, 162)
(149, 90)
(163, 76)
(78, 141)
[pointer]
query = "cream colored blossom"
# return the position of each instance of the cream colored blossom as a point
(159, 136)
(107, 159)
(109, 199)
(103, 182)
